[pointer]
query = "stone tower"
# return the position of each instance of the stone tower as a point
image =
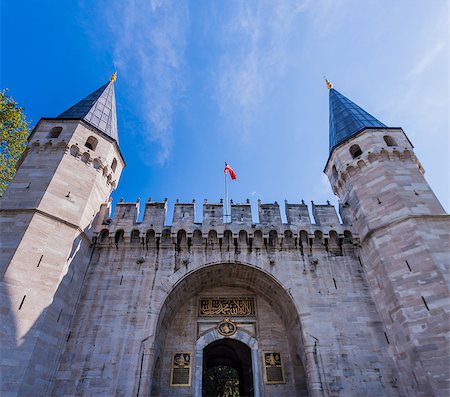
(71, 165)
(404, 237)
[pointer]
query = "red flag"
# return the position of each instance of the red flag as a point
(230, 171)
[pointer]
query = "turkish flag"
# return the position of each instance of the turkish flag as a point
(230, 170)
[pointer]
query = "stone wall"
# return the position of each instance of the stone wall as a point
(138, 300)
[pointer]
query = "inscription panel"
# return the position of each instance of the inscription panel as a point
(227, 307)
(181, 369)
(273, 368)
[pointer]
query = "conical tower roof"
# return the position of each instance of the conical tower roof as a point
(347, 118)
(97, 109)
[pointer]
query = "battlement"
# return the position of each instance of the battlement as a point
(326, 230)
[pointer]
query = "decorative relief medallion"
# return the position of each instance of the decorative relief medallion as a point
(227, 306)
(273, 367)
(226, 327)
(181, 369)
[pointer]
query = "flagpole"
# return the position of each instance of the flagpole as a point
(226, 197)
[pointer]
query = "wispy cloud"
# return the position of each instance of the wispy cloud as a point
(421, 91)
(427, 59)
(148, 42)
(256, 37)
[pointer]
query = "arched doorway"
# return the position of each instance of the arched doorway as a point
(273, 327)
(227, 369)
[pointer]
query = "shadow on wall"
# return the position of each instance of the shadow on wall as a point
(29, 363)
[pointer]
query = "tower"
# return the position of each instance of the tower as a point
(404, 237)
(71, 165)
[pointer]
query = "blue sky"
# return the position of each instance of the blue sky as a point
(204, 82)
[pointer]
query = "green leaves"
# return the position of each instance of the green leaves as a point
(14, 132)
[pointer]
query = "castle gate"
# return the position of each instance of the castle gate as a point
(228, 327)
(227, 366)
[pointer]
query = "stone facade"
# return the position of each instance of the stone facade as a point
(47, 218)
(97, 305)
(405, 248)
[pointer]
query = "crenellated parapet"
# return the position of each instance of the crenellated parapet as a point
(324, 232)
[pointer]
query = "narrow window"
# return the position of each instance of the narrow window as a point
(91, 143)
(387, 339)
(409, 267)
(59, 316)
(389, 140)
(355, 151)
(425, 303)
(23, 300)
(114, 165)
(55, 132)
(40, 259)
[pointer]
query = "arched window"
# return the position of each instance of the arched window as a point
(304, 238)
(318, 238)
(355, 151)
(135, 239)
(150, 238)
(55, 132)
(91, 143)
(258, 239)
(333, 239)
(334, 171)
(212, 238)
(114, 165)
(74, 150)
(85, 157)
(166, 238)
(103, 236)
(97, 163)
(389, 140)
(348, 236)
(227, 239)
(243, 240)
(181, 239)
(118, 238)
(288, 240)
(197, 238)
(273, 239)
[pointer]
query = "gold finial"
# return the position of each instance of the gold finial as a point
(328, 83)
(113, 77)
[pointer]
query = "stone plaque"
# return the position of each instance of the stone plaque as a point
(181, 369)
(273, 367)
(227, 306)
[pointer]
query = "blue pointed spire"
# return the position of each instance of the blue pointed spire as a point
(347, 118)
(97, 109)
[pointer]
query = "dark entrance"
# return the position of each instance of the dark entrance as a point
(227, 369)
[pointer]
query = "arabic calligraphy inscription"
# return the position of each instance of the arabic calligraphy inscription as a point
(227, 306)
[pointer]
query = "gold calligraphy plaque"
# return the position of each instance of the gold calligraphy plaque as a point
(181, 369)
(227, 306)
(273, 368)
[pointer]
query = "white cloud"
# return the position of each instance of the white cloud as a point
(257, 37)
(148, 41)
(428, 58)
